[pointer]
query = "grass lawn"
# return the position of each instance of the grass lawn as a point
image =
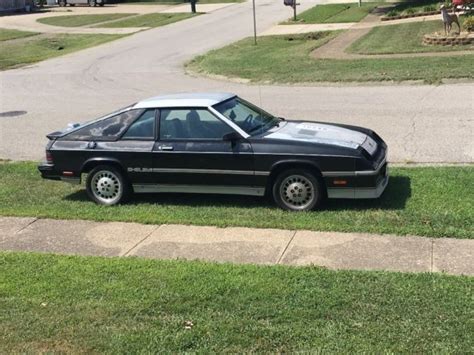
(333, 13)
(80, 20)
(402, 38)
(126, 306)
(6, 34)
(30, 50)
(437, 202)
(287, 59)
(149, 20)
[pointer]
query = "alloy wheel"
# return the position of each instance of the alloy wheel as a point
(106, 187)
(297, 192)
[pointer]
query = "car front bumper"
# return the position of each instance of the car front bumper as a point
(379, 176)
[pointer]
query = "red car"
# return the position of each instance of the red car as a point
(463, 4)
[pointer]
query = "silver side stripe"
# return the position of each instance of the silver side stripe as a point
(205, 189)
(198, 171)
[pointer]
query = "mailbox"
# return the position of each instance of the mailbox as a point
(289, 2)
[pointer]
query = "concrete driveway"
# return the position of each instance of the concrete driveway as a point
(421, 123)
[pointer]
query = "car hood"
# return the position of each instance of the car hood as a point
(321, 133)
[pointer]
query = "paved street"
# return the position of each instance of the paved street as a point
(354, 251)
(421, 123)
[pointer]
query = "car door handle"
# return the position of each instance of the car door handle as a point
(165, 147)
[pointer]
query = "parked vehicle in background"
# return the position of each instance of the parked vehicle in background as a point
(217, 143)
(63, 3)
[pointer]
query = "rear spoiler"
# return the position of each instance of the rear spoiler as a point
(53, 136)
(58, 134)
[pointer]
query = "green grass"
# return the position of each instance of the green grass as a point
(6, 34)
(277, 59)
(30, 50)
(334, 13)
(149, 20)
(402, 38)
(80, 20)
(65, 304)
(435, 202)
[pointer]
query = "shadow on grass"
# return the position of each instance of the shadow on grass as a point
(395, 196)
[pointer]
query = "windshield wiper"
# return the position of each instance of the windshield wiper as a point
(272, 124)
(256, 128)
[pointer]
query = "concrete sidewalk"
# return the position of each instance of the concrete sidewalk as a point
(239, 245)
(369, 22)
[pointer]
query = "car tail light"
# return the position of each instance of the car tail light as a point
(49, 157)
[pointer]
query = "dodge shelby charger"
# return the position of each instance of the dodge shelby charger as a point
(221, 144)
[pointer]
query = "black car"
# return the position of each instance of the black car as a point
(221, 144)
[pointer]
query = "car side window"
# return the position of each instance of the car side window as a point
(143, 128)
(107, 129)
(191, 124)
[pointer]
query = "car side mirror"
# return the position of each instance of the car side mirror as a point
(231, 137)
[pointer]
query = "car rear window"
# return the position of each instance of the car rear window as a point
(107, 129)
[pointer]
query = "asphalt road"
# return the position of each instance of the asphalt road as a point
(421, 123)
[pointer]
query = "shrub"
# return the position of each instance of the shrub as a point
(429, 8)
(468, 24)
(392, 13)
(410, 11)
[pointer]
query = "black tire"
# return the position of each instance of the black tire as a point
(62, 3)
(106, 185)
(297, 190)
(91, 3)
(101, 4)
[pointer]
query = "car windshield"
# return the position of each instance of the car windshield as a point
(250, 118)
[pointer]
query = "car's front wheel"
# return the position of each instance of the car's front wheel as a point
(92, 3)
(297, 190)
(107, 186)
(62, 3)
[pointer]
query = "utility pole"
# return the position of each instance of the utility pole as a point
(254, 24)
(360, 3)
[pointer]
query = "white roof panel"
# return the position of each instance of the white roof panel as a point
(184, 100)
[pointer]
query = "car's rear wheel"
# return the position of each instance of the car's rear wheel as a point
(62, 3)
(91, 2)
(107, 186)
(297, 190)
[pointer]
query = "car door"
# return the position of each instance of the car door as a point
(191, 151)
